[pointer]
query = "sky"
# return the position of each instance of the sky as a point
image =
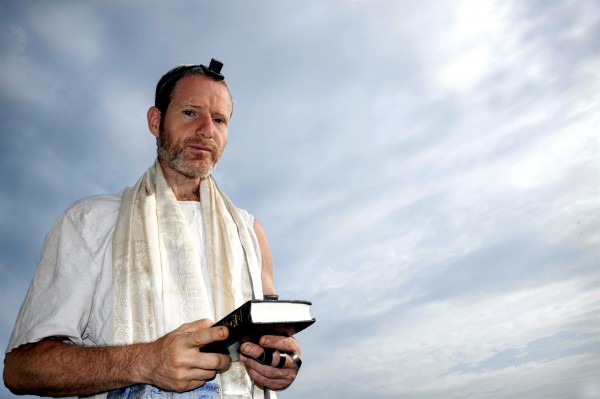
(427, 172)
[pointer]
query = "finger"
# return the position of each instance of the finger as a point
(211, 362)
(270, 357)
(282, 360)
(281, 343)
(270, 377)
(205, 336)
(286, 360)
(295, 358)
(192, 381)
(251, 350)
(266, 357)
(265, 369)
(195, 325)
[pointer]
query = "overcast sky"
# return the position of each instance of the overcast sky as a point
(428, 172)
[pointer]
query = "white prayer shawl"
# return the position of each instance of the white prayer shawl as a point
(157, 281)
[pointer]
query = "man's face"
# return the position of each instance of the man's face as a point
(193, 132)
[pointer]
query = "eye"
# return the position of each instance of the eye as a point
(188, 112)
(218, 120)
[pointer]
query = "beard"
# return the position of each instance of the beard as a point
(172, 154)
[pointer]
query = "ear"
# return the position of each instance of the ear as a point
(153, 115)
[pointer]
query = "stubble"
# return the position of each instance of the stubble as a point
(172, 154)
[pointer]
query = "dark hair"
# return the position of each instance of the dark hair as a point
(166, 84)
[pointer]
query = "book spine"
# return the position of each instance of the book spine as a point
(237, 319)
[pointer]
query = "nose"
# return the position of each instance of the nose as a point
(205, 127)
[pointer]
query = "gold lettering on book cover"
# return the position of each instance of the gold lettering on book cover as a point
(234, 322)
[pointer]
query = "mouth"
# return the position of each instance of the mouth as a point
(200, 147)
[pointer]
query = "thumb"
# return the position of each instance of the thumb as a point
(207, 335)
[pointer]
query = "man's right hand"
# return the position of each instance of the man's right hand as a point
(174, 362)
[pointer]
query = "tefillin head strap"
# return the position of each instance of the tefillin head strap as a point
(213, 71)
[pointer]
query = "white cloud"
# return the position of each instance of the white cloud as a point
(468, 69)
(71, 29)
(426, 172)
(123, 115)
(22, 78)
(417, 350)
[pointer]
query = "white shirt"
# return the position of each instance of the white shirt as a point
(71, 293)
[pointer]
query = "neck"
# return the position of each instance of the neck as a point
(185, 188)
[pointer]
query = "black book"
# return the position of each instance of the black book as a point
(256, 318)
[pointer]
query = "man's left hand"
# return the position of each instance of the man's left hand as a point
(269, 375)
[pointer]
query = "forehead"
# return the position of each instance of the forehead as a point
(202, 91)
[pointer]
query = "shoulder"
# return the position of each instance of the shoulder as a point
(96, 206)
(248, 217)
(94, 216)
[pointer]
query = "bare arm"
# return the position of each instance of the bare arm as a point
(268, 375)
(267, 261)
(173, 362)
(54, 368)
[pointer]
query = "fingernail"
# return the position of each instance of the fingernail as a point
(267, 341)
(221, 332)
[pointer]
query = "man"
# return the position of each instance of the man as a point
(127, 285)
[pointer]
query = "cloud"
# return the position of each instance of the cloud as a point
(426, 172)
(414, 350)
(26, 77)
(71, 30)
